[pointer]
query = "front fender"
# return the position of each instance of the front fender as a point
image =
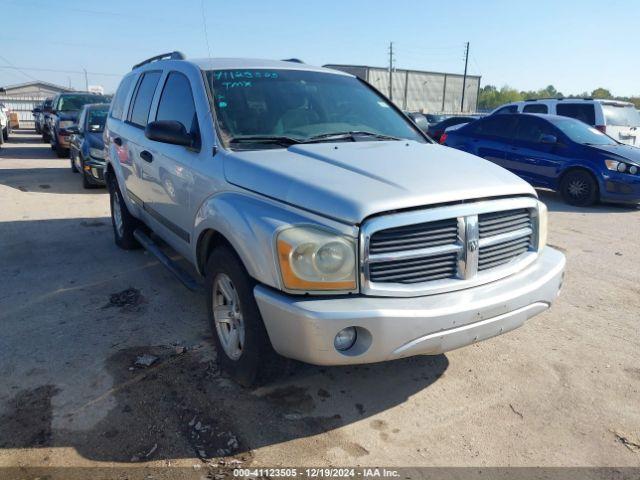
(249, 223)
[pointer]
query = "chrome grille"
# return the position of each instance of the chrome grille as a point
(447, 248)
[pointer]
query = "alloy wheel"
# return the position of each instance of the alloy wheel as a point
(228, 317)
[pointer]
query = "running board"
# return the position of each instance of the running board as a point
(151, 247)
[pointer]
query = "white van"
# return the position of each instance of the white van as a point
(620, 120)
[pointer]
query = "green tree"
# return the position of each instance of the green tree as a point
(601, 93)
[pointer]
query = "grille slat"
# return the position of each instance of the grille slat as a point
(495, 223)
(414, 237)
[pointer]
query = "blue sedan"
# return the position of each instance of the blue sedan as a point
(555, 152)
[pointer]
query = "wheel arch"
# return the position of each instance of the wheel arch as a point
(574, 168)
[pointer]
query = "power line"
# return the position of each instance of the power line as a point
(34, 69)
(17, 69)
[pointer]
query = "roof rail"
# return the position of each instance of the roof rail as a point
(163, 56)
(294, 60)
(544, 98)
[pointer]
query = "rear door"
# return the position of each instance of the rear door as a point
(529, 158)
(167, 176)
(115, 135)
(133, 131)
(490, 137)
(622, 122)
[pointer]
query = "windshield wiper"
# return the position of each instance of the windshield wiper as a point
(278, 140)
(351, 135)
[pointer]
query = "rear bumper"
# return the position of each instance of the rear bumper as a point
(388, 328)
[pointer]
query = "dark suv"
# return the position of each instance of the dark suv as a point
(65, 110)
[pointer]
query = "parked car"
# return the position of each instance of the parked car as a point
(86, 147)
(327, 227)
(36, 112)
(6, 122)
(619, 120)
(560, 153)
(435, 131)
(43, 119)
(434, 118)
(419, 119)
(64, 113)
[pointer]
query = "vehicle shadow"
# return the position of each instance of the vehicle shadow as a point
(45, 180)
(555, 203)
(69, 352)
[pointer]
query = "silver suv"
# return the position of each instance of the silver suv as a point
(326, 226)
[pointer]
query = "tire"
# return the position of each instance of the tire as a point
(61, 152)
(124, 224)
(5, 133)
(256, 358)
(579, 188)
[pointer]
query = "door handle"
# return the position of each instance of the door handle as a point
(146, 156)
(117, 141)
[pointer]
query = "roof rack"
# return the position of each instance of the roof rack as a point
(294, 60)
(163, 56)
(543, 98)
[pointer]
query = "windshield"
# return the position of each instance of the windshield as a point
(68, 103)
(300, 105)
(582, 133)
(96, 120)
(621, 115)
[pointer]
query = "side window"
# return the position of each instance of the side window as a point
(531, 129)
(117, 106)
(508, 109)
(494, 126)
(585, 112)
(176, 103)
(139, 114)
(536, 108)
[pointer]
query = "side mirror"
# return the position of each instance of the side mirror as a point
(73, 129)
(168, 131)
(36, 110)
(549, 139)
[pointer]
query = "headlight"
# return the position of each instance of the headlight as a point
(621, 167)
(96, 152)
(542, 225)
(314, 259)
(65, 123)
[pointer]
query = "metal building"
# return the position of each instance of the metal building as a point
(418, 91)
(23, 97)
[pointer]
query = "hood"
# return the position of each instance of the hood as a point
(351, 181)
(622, 151)
(95, 139)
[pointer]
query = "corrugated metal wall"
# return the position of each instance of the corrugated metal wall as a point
(429, 92)
(22, 106)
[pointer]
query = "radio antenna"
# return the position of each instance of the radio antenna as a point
(204, 25)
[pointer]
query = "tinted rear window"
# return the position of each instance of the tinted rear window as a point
(508, 109)
(144, 95)
(536, 108)
(621, 116)
(494, 126)
(585, 112)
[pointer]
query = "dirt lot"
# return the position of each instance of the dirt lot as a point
(76, 312)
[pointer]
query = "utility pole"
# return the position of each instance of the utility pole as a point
(391, 71)
(464, 79)
(86, 80)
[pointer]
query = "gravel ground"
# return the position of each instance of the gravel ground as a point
(81, 319)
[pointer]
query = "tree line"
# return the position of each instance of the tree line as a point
(492, 97)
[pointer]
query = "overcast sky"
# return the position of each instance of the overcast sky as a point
(576, 45)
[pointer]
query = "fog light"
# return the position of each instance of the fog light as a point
(345, 339)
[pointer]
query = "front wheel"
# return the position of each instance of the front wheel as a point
(243, 348)
(72, 159)
(124, 224)
(579, 188)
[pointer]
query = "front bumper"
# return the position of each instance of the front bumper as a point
(304, 328)
(620, 188)
(94, 170)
